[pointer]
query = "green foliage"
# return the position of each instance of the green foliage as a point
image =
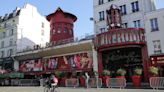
(106, 73)
(153, 70)
(138, 71)
(121, 72)
(58, 74)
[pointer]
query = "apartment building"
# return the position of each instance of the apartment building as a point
(22, 29)
(132, 12)
(19, 30)
(136, 14)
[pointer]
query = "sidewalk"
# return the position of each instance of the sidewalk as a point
(64, 89)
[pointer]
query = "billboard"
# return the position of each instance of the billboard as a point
(73, 61)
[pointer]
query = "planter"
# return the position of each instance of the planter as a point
(136, 80)
(120, 82)
(62, 82)
(105, 80)
(82, 81)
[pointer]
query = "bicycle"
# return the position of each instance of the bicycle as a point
(53, 88)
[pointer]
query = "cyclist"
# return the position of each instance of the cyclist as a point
(48, 82)
(51, 84)
(54, 80)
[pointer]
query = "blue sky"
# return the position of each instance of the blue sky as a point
(83, 9)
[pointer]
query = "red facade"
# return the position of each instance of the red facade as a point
(121, 47)
(158, 61)
(61, 25)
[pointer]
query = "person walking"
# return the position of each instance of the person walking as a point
(87, 80)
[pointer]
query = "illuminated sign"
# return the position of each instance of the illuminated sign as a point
(160, 58)
(160, 61)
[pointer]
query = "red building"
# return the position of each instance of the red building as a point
(158, 61)
(61, 25)
(121, 47)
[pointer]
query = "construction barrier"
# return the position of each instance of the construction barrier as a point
(116, 82)
(93, 82)
(28, 82)
(157, 82)
(73, 82)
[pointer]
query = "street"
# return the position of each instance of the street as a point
(64, 89)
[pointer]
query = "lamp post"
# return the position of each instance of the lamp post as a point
(95, 55)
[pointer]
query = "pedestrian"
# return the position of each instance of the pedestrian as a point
(87, 80)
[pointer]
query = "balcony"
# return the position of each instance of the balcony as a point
(120, 37)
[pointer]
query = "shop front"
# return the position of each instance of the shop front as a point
(127, 58)
(121, 50)
(6, 63)
(68, 61)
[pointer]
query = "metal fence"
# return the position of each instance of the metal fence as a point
(73, 82)
(25, 82)
(93, 82)
(14, 82)
(157, 82)
(116, 82)
(20, 82)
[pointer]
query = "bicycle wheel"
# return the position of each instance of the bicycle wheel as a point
(46, 89)
(56, 89)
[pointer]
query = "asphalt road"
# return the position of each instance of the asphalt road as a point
(64, 89)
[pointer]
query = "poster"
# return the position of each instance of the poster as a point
(74, 61)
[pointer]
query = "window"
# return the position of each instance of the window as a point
(42, 25)
(102, 30)
(53, 31)
(110, 0)
(101, 2)
(11, 42)
(154, 24)
(125, 25)
(71, 32)
(10, 52)
(65, 29)
(4, 34)
(2, 44)
(2, 54)
(157, 47)
(101, 15)
(137, 23)
(5, 25)
(123, 9)
(13, 20)
(135, 6)
(11, 32)
(59, 30)
(42, 32)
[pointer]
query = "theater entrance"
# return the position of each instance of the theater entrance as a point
(126, 58)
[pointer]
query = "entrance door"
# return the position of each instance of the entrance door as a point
(126, 58)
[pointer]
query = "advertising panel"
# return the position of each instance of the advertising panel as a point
(73, 61)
